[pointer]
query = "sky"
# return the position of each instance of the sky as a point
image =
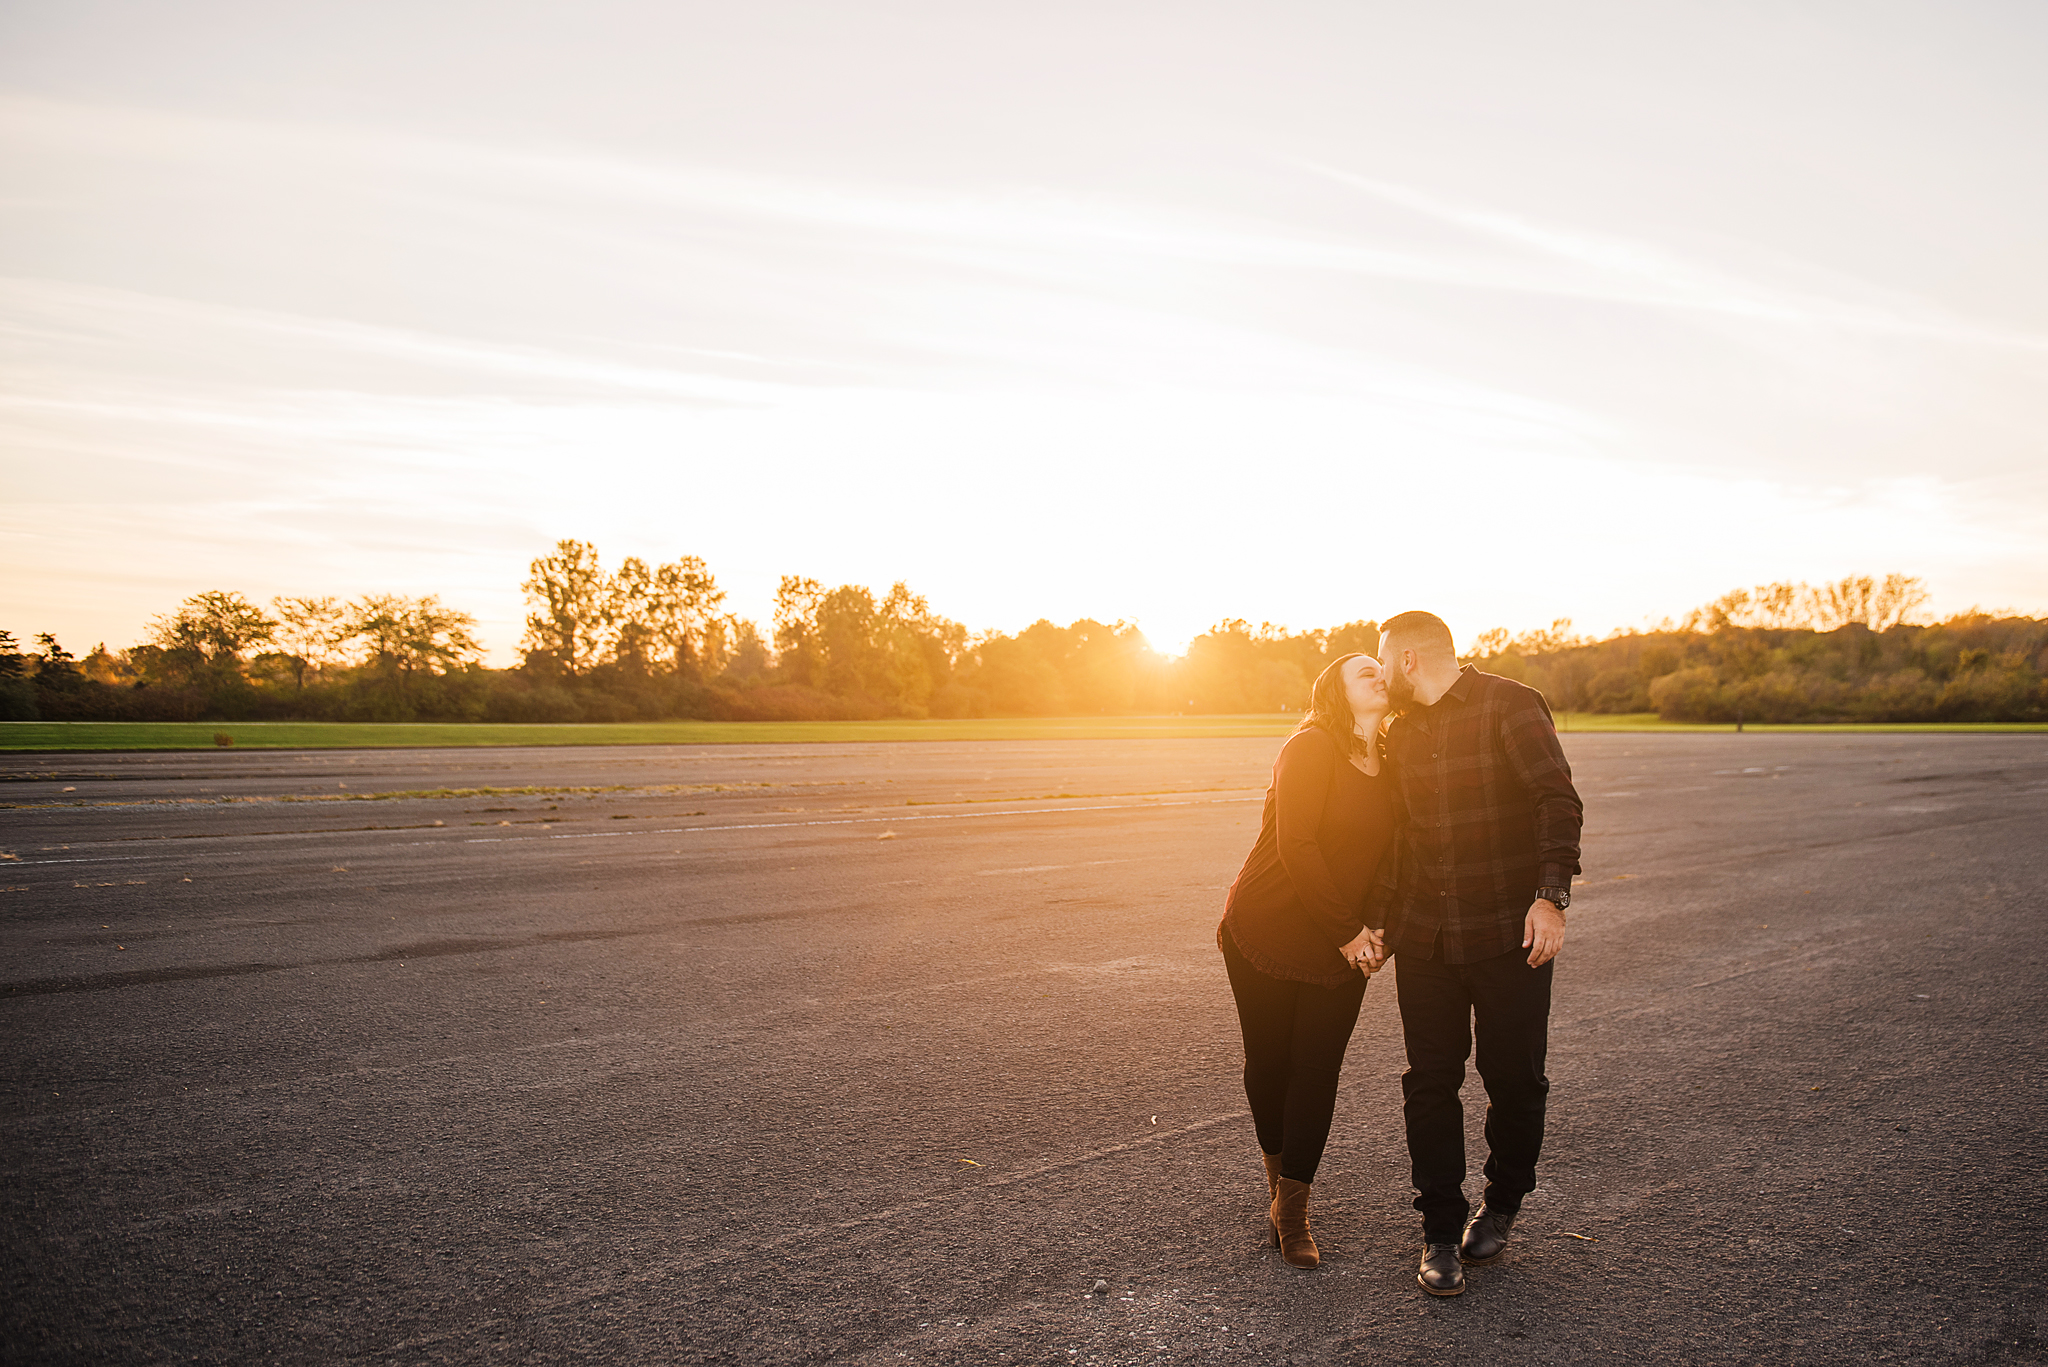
(1162, 312)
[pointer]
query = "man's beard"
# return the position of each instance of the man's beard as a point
(1400, 691)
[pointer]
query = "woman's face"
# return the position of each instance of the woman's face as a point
(1365, 684)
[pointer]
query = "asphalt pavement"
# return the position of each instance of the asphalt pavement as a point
(896, 1053)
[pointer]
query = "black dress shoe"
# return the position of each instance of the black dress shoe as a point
(1441, 1274)
(1486, 1236)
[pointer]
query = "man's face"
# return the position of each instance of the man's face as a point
(1400, 688)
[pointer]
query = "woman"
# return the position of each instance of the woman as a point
(1293, 933)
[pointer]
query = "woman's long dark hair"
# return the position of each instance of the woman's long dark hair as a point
(1329, 707)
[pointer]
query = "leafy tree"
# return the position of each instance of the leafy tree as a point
(1858, 599)
(1234, 667)
(630, 638)
(641, 620)
(1896, 599)
(313, 632)
(217, 627)
(1361, 637)
(892, 656)
(1020, 676)
(18, 701)
(733, 646)
(920, 649)
(568, 594)
(798, 652)
(1876, 604)
(1547, 640)
(843, 627)
(55, 666)
(1784, 605)
(1490, 644)
(1107, 667)
(661, 615)
(684, 603)
(405, 637)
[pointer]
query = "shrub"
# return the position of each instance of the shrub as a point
(1782, 695)
(548, 702)
(1690, 695)
(1902, 695)
(1990, 694)
(18, 700)
(1618, 690)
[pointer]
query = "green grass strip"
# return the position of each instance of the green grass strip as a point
(1649, 721)
(21, 736)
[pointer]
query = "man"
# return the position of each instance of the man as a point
(1473, 910)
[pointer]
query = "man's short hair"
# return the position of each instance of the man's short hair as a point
(1422, 632)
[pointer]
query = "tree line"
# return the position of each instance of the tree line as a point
(1785, 652)
(376, 657)
(650, 642)
(640, 641)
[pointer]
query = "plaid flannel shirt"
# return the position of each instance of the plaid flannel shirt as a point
(1491, 817)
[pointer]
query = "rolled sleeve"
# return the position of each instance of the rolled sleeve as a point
(1529, 738)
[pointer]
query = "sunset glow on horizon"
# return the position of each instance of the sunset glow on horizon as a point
(1299, 314)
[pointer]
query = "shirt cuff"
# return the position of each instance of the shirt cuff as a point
(1553, 876)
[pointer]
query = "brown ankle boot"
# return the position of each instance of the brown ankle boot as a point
(1289, 1214)
(1272, 1175)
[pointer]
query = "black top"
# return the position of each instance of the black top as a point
(1302, 891)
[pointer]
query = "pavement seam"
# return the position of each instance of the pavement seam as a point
(667, 830)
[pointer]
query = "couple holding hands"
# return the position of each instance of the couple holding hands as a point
(1422, 812)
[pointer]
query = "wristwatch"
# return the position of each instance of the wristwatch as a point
(1557, 897)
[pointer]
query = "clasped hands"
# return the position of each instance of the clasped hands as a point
(1367, 953)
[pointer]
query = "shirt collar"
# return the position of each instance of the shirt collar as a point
(1462, 689)
(1459, 692)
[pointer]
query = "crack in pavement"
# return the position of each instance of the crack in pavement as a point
(685, 1264)
(1780, 963)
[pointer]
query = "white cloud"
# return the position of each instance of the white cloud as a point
(1652, 275)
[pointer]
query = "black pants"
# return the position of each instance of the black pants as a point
(1509, 1003)
(1294, 1040)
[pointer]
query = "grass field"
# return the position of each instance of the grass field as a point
(92, 735)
